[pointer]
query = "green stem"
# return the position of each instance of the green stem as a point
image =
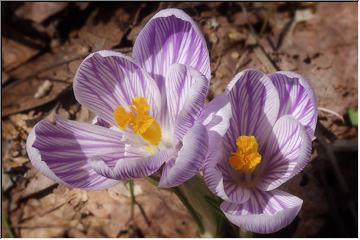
(132, 195)
(207, 208)
(7, 227)
(245, 234)
(190, 208)
(204, 207)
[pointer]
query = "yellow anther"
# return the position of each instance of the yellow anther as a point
(122, 117)
(247, 156)
(139, 105)
(139, 120)
(152, 133)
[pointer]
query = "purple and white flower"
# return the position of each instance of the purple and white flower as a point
(260, 133)
(146, 107)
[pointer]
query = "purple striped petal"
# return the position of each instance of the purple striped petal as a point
(171, 36)
(217, 114)
(287, 152)
(129, 167)
(296, 99)
(61, 151)
(186, 91)
(217, 174)
(212, 174)
(255, 107)
(189, 159)
(265, 212)
(37, 162)
(107, 79)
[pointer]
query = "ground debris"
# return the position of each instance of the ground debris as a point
(43, 90)
(14, 54)
(38, 12)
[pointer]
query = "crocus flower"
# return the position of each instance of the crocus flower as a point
(260, 132)
(146, 107)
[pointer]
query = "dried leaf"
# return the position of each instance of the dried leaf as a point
(39, 11)
(14, 54)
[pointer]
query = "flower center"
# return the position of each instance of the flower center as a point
(247, 156)
(139, 120)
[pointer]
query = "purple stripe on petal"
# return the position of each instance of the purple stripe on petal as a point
(171, 36)
(36, 161)
(61, 151)
(130, 168)
(255, 107)
(265, 212)
(212, 174)
(287, 152)
(189, 159)
(216, 175)
(107, 79)
(186, 91)
(296, 99)
(217, 114)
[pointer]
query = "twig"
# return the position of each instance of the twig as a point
(243, 9)
(137, 15)
(143, 213)
(51, 66)
(265, 59)
(39, 194)
(241, 61)
(258, 49)
(331, 112)
(286, 31)
(44, 213)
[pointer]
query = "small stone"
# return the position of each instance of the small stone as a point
(44, 89)
(235, 55)
(213, 23)
(236, 36)
(55, 43)
(83, 50)
(65, 114)
(74, 109)
(15, 153)
(213, 38)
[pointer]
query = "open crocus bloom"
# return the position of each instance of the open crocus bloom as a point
(260, 133)
(146, 109)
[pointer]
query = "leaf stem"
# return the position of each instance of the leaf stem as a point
(190, 208)
(132, 195)
(7, 227)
